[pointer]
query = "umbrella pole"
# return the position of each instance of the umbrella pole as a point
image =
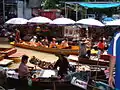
(79, 49)
(76, 12)
(87, 32)
(3, 10)
(96, 73)
(65, 11)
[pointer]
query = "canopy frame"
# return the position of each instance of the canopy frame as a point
(79, 4)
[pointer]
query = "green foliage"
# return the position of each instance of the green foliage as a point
(87, 0)
(50, 4)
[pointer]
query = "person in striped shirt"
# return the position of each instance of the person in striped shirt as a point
(114, 52)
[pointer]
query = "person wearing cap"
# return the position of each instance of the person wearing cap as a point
(53, 43)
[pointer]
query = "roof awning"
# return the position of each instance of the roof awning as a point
(96, 5)
(100, 5)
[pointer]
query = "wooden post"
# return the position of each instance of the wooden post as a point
(4, 11)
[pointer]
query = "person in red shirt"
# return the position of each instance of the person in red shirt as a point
(101, 45)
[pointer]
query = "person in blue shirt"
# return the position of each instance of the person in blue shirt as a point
(114, 52)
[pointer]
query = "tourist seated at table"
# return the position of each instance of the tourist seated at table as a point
(53, 43)
(64, 43)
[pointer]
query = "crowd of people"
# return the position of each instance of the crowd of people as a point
(87, 45)
(46, 43)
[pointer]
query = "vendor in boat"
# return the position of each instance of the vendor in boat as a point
(64, 44)
(53, 43)
(63, 65)
(24, 73)
(101, 45)
(23, 68)
(83, 49)
(88, 46)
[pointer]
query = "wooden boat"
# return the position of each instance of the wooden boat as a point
(5, 52)
(8, 51)
(93, 62)
(42, 85)
(2, 57)
(72, 51)
(5, 62)
(103, 60)
(47, 83)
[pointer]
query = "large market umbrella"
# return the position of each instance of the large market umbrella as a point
(113, 23)
(40, 20)
(17, 21)
(107, 19)
(90, 22)
(63, 21)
